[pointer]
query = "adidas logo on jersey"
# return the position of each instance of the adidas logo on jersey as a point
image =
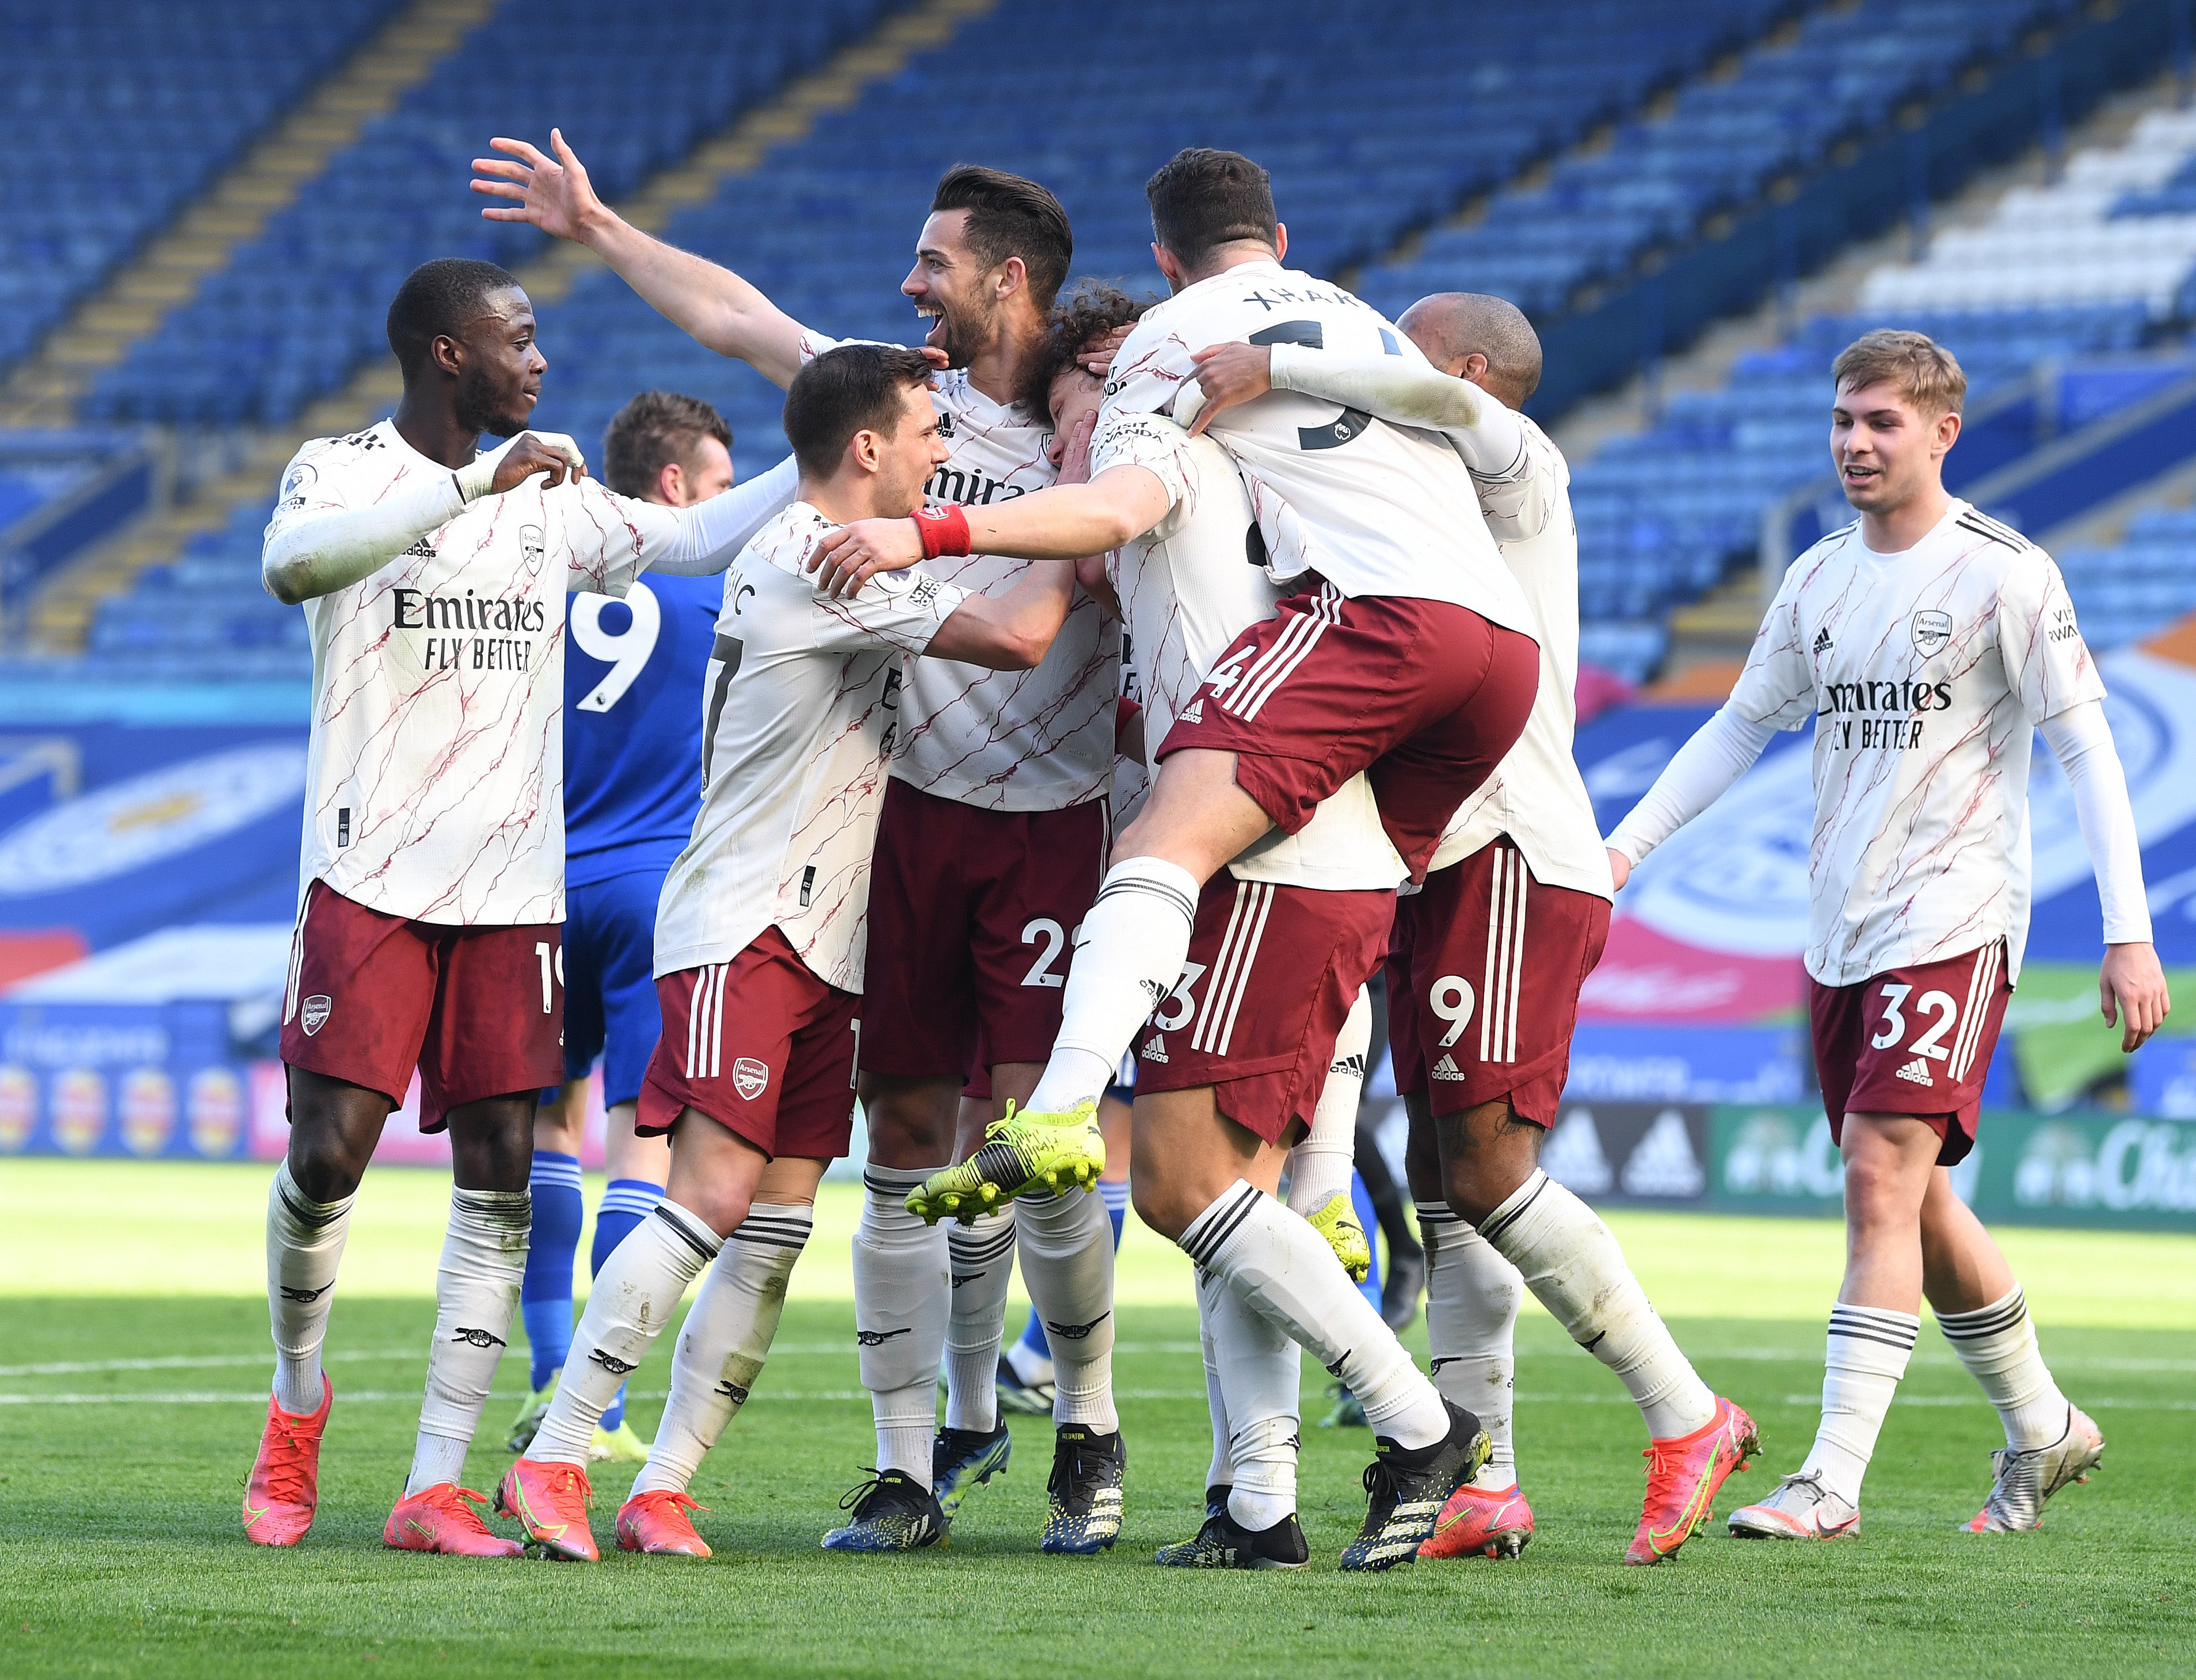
(1193, 712)
(1446, 1068)
(1823, 640)
(1918, 1070)
(1156, 1051)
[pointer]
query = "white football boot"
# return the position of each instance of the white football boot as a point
(2025, 1480)
(1801, 1509)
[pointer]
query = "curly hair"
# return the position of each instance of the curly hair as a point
(1089, 312)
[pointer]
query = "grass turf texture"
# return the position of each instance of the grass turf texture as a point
(120, 1551)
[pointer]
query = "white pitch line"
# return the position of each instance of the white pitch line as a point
(195, 1361)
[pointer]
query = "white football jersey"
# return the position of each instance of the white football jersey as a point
(1390, 510)
(435, 784)
(1188, 587)
(1927, 673)
(799, 717)
(1536, 795)
(1036, 740)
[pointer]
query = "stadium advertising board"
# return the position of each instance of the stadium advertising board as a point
(2129, 1171)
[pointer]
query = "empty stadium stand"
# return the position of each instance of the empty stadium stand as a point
(113, 118)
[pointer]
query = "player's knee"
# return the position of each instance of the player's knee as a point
(325, 1164)
(1161, 1206)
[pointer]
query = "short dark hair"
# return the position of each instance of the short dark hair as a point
(438, 299)
(849, 389)
(651, 432)
(1091, 310)
(1011, 217)
(1201, 199)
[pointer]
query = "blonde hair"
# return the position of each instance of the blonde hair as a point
(1926, 373)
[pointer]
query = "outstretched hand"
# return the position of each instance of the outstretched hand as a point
(1230, 375)
(553, 192)
(850, 555)
(2131, 992)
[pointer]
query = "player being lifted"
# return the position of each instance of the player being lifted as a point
(1183, 593)
(433, 580)
(991, 845)
(1929, 642)
(1488, 958)
(760, 941)
(633, 777)
(1406, 657)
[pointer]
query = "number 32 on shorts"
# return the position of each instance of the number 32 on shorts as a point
(1938, 1004)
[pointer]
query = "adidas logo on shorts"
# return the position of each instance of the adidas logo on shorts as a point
(1446, 1068)
(1193, 712)
(1918, 1070)
(1156, 1051)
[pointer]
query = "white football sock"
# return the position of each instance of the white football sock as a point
(1866, 1356)
(1319, 1166)
(1472, 1296)
(633, 1298)
(1286, 1272)
(1998, 1345)
(475, 1298)
(304, 1246)
(1067, 1265)
(1260, 1369)
(902, 1297)
(983, 1260)
(1128, 956)
(1573, 1265)
(726, 1339)
(1210, 1287)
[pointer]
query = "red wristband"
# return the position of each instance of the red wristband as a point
(943, 530)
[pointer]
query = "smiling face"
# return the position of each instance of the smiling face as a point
(498, 368)
(906, 457)
(1886, 451)
(953, 292)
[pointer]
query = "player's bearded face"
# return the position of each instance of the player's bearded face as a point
(501, 379)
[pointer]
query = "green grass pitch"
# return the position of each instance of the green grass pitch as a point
(133, 1369)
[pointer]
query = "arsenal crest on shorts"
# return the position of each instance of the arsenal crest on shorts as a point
(313, 1015)
(1932, 630)
(749, 1078)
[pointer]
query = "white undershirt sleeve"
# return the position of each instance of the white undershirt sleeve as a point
(1413, 394)
(2083, 742)
(1722, 750)
(710, 535)
(316, 556)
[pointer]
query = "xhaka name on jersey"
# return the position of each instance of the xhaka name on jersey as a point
(424, 609)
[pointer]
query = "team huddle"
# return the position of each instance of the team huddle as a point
(1106, 693)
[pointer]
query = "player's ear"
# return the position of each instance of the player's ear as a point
(1012, 276)
(1948, 430)
(1281, 238)
(447, 352)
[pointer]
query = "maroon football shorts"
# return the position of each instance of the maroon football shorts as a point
(1424, 696)
(972, 920)
(1914, 1040)
(1484, 984)
(761, 1046)
(1271, 975)
(478, 1011)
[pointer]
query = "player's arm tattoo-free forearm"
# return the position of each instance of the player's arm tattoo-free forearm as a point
(2081, 740)
(1722, 750)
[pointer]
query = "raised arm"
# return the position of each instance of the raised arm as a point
(318, 553)
(711, 303)
(710, 535)
(2131, 986)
